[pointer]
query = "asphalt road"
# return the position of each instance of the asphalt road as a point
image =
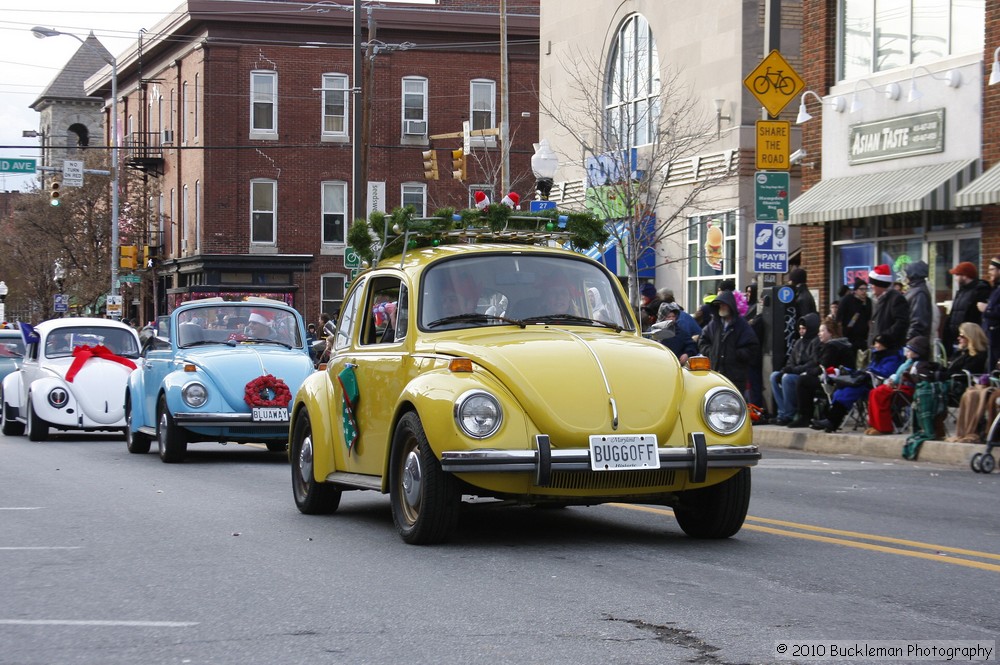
(111, 558)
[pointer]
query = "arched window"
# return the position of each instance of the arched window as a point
(632, 105)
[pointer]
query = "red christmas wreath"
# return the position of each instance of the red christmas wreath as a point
(267, 390)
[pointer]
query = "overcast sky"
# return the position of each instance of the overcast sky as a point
(28, 64)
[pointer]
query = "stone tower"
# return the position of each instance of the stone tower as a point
(70, 120)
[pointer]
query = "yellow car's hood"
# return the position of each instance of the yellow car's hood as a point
(571, 380)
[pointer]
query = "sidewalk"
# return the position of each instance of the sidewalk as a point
(856, 443)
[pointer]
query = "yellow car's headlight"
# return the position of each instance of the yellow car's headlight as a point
(478, 414)
(724, 410)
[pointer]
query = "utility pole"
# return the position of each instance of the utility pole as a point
(504, 104)
(359, 199)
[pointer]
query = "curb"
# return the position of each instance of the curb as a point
(847, 443)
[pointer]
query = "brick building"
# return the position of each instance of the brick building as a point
(906, 123)
(241, 116)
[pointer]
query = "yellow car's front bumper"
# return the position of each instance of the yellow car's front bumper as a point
(543, 460)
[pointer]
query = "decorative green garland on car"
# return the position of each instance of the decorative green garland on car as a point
(403, 229)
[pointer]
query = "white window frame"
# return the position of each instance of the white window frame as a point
(491, 89)
(197, 216)
(263, 98)
(185, 232)
(406, 90)
(273, 211)
(632, 96)
(335, 84)
(184, 114)
(194, 105)
(414, 190)
(334, 202)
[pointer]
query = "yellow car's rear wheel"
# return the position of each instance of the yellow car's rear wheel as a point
(425, 499)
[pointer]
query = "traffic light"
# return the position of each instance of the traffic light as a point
(54, 193)
(430, 165)
(148, 253)
(129, 257)
(458, 158)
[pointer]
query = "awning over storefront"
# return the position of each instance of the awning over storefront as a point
(891, 192)
(984, 190)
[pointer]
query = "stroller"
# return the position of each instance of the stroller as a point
(984, 462)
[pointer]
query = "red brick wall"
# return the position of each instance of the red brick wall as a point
(991, 133)
(819, 35)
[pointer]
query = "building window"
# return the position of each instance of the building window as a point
(185, 231)
(332, 287)
(197, 215)
(194, 105)
(263, 211)
(184, 104)
(482, 102)
(335, 104)
(334, 212)
(711, 252)
(264, 102)
(632, 97)
(415, 194)
(414, 106)
(885, 34)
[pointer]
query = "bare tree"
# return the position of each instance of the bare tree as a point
(632, 146)
(76, 235)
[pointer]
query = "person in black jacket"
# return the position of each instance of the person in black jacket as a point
(729, 342)
(991, 314)
(890, 313)
(834, 352)
(854, 314)
(965, 304)
(804, 355)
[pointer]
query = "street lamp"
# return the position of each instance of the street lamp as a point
(42, 33)
(544, 164)
(3, 296)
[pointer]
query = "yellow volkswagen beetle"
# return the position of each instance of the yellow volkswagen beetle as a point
(515, 372)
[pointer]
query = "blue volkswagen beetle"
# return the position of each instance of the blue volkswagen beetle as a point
(217, 371)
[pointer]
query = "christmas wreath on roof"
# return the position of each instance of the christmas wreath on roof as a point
(387, 234)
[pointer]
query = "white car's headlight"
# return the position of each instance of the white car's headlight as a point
(194, 395)
(58, 397)
(725, 411)
(478, 413)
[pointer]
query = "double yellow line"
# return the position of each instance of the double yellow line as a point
(864, 541)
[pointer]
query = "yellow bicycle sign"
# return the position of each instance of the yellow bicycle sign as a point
(774, 83)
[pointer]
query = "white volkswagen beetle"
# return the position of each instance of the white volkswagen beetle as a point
(73, 378)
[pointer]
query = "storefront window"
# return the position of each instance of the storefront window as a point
(887, 34)
(906, 224)
(711, 251)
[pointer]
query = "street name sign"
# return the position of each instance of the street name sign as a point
(72, 174)
(774, 83)
(771, 195)
(773, 144)
(17, 166)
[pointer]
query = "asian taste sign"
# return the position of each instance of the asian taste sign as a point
(902, 136)
(773, 144)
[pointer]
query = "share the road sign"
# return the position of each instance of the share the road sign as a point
(17, 166)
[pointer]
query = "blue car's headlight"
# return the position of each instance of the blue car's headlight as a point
(724, 410)
(478, 413)
(194, 394)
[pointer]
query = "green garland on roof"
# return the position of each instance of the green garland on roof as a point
(584, 229)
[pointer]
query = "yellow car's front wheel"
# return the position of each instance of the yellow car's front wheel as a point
(311, 497)
(425, 499)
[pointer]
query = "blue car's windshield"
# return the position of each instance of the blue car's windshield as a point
(237, 324)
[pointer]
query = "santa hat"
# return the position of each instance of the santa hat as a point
(880, 275)
(512, 200)
(481, 200)
(261, 316)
